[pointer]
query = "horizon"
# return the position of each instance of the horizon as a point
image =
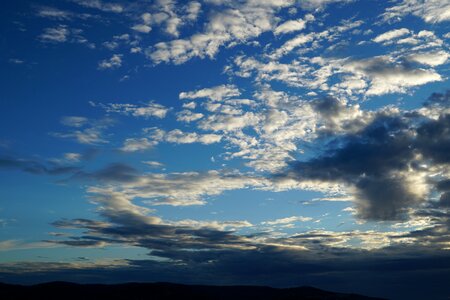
(272, 143)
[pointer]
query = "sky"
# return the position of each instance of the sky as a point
(271, 142)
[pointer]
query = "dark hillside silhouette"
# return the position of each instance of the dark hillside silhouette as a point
(162, 291)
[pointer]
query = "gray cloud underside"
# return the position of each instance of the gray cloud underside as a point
(388, 162)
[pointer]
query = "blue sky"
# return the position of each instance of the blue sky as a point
(143, 139)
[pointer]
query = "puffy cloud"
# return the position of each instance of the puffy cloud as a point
(137, 144)
(430, 58)
(388, 164)
(176, 136)
(179, 137)
(236, 24)
(58, 34)
(222, 122)
(143, 28)
(387, 77)
(103, 6)
(293, 25)
(216, 93)
(64, 34)
(113, 63)
(193, 9)
(188, 116)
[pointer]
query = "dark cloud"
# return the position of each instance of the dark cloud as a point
(377, 274)
(439, 99)
(35, 167)
(379, 161)
(116, 172)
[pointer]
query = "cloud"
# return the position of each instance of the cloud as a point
(150, 109)
(179, 137)
(188, 116)
(74, 121)
(217, 93)
(223, 122)
(430, 58)
(143, 28)
(175, 136)
(431, 11)
(386, 76)
(391, 35)
(54, 13)
(35, 166)
(288, 220)
(100, 5)
(293, 25)
(85, 131)
(55, 35)
(153, 164)
(113, 63)
(388, 165)
(176, 189)
(319, 4)
(63, 34)
(137, 144)
(238, 23)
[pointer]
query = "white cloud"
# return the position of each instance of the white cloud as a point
(143, 28)
(150, 109)
(292, 25)
(387, 76)
(137, 144)
(223, 122)
(430, 58)
(57, 34)
(218, 225)
(87, 131)
(431, 11)
(54, 13)
(188, 116)
(288, 220)
(237, 24)
(72, 157)
(104, 6)
(74, 121)
(193, 9)
(179, 189)
(391, 35)
(153, 164)
(179, 137)
(113, 63)
(216, 93)
(319, 4)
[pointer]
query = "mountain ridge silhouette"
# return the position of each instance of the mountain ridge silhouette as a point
(164, 290)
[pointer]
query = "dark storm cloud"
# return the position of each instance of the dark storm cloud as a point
(377, 161)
